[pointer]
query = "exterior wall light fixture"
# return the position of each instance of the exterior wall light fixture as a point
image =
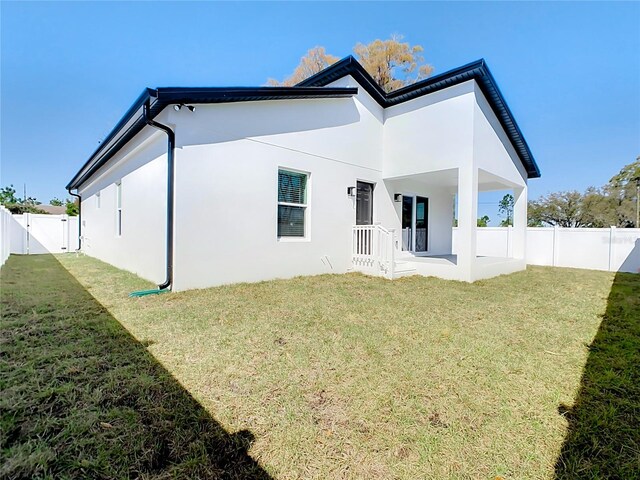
(178, 107)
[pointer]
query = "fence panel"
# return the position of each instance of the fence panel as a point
(5, 234)
(494, 242)
(585, 248)
(540, 246)
(38, 234)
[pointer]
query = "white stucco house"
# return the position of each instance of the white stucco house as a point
(197, 187)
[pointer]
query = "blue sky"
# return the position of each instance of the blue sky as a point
(569, 71)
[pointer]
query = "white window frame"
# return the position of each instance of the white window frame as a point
(98, 199)
(119, 208)
(306, 206)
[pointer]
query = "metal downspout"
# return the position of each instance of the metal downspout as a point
(79, 217)
(171, 145)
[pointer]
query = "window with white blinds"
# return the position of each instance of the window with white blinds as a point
(292, 203)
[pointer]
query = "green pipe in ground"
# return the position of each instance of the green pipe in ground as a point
(144, 293)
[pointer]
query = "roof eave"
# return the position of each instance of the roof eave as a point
(162, 97)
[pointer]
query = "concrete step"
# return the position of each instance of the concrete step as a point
(403, 269)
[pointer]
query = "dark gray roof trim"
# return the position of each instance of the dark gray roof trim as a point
(477, 71)
(133, 120)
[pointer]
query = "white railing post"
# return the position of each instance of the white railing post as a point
(392, 256)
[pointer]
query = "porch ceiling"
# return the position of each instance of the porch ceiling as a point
(449, 179)
(488, 182)
(440, 178)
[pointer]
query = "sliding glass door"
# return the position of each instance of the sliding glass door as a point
(407, 223)
(415, 223)
(422, 223)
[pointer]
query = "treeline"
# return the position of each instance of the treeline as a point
(17, 205)
(615, 204)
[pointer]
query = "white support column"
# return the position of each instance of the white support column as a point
(519, 237)
(467, 221)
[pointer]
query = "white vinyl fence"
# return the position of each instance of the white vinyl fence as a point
(34, 234)
(5, 234)
(612, 249)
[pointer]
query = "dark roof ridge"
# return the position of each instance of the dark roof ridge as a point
(477, 70)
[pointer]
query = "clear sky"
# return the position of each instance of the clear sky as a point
(569, 71)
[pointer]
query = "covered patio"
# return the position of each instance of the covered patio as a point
(430, 205)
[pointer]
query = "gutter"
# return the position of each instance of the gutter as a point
(171, 146)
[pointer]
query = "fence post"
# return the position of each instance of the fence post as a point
(556, 234)
(612, 234)
(27, 230)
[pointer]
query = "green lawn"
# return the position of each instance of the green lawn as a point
(335, 376)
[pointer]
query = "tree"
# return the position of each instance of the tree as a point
(391, 63)
(73, 209)
(56, 202)
(570, 209)
(623, 190)
(8, 195)
(563, 209)
(18, 205)
(315, 60)
(483, 221)
(505, 209)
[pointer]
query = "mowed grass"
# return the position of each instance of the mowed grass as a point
(335, 376)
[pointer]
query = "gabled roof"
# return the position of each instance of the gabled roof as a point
(477, 71)
(133, 120)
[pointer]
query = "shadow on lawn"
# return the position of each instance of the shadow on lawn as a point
(82, 398)
(603, 440)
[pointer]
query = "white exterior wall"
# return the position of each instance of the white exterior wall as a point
(226, 190)
(430, 133)
(492, 150)
(141, 167)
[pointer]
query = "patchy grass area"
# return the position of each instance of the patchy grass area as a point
(336, 376)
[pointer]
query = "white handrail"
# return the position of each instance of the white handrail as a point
(374, 249)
